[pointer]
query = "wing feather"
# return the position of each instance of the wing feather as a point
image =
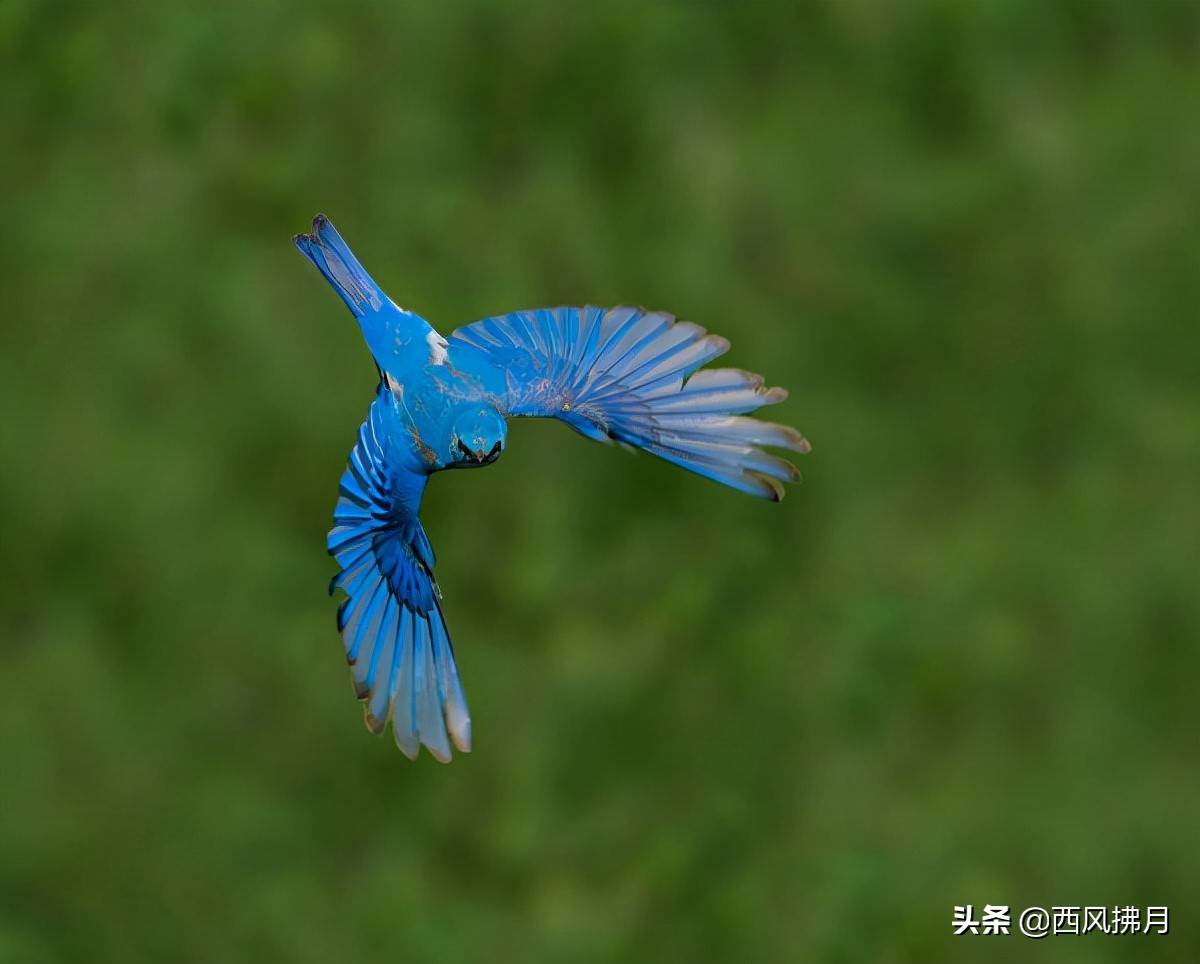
(634, 377)
(400, 656)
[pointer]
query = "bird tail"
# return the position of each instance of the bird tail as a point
(325, 248)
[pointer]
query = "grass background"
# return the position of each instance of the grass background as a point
(957, 665)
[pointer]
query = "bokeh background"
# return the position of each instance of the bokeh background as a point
(957, 665)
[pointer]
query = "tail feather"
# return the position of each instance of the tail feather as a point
(389, 329)
(324, 247)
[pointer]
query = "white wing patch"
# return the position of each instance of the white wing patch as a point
(437, 348)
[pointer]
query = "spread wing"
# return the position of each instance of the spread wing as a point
(391, 621)
(630, 375)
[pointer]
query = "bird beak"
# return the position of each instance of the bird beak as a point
(479, 456)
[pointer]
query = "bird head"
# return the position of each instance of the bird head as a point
(476, 437)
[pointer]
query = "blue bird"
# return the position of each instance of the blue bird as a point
(621, 374)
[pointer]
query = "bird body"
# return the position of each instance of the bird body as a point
(621, 374)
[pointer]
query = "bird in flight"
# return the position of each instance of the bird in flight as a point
(617, 374)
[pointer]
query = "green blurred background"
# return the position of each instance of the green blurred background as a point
(958, 665)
